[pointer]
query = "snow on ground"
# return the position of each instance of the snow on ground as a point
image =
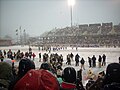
(112, 55)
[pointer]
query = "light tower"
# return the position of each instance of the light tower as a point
(71, 3)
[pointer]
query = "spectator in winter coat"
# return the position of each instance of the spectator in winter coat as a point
(90, 82)
(26, 54)
(39, 57)
(79, 75)
(5, 75)
(1, 57)
(9, 54)
(77, 59)
(89, 61)
(112, 77)
(4, 53)
(24, 66)
(59, 75)
(79, 80)
(71, 55)
(104, 60)
(99, 61)
(37, 80)
(94, 61)
(47, 66)
(69, 78)
(111, 80)
(95, 85)
(82, 63)
(70, 82)
(68, 60)
(33, 56)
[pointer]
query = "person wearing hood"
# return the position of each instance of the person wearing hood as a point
(37, 80)
(42, 79)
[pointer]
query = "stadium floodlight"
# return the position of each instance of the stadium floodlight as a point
(71, 3)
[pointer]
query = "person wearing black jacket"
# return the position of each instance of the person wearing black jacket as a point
(82, 63)
(94, 61)
(77, 59)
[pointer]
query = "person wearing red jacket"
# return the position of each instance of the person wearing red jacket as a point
(33, 56)
(37, 80)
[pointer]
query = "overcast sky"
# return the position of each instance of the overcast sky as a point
(39, 16)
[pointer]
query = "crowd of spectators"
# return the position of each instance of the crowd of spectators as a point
(27, 77)
(51, 76)
(105, 34)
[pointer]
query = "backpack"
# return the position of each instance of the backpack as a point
(37, 80)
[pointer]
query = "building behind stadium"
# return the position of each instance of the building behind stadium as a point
(5, 42)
